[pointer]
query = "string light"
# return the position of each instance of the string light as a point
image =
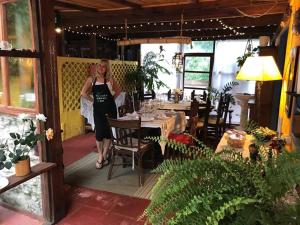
(91, 34)
(233, 30)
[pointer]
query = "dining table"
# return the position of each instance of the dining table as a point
(168, 122)
(223, 144)
(180, 106)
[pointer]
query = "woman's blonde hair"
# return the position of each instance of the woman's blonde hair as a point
(107, 73)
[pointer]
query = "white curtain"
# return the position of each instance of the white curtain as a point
(225, 66)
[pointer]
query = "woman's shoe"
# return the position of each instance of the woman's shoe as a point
(99, 165)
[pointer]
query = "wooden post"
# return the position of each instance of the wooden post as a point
(52, 182)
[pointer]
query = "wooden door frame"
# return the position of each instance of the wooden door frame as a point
(53, 182)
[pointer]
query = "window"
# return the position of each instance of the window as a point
(198, 64)
(18, 82)
(197, 70)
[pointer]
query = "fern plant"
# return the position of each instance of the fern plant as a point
(223, 188)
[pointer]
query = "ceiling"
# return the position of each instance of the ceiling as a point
(202, 19)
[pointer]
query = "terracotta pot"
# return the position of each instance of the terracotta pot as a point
(23, 167)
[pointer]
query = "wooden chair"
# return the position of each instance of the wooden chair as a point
(171, 96)
(147, 96)
(202, 96)
(217, 123)
(202, 123)
(127, 142)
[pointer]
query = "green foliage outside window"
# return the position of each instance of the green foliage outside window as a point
(197, 76)
(200, 46)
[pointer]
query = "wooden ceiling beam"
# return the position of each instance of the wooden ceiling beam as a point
(235, 23)
(75, 6)
(150, 15)
(128, 4)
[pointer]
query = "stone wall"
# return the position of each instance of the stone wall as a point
(26, 196)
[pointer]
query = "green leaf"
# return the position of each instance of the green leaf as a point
(11, 155)
(2, 157)
(8, 165)
(13, 135)
(16, 142)
(1, 165)
(19, 152)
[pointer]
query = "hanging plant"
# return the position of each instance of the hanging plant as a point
(241, 59)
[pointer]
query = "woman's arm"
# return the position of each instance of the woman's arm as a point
(87, 89)
(115, 88)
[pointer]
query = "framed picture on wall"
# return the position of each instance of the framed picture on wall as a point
(292, 78)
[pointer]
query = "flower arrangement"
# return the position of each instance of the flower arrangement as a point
(263, 134)
(177, 94)
(177, 91)
(17, 147)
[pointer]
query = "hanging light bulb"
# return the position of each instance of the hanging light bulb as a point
(58, 30)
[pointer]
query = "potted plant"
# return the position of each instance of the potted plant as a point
(146, 75)
(225, 188)
(16, 148)
(215, 93)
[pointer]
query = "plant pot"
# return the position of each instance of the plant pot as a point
(23, 167)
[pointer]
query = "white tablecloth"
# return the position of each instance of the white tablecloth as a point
(86, 108)
(175, 123)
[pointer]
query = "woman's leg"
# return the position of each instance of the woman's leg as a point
(100, 153)
(106, 144)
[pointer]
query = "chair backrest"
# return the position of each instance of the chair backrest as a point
(194, 108)
(226, 107)
(171, 95)
(202, 96)
(128, 103)
(223, 106)
(151, 95)
(125, 134)
(220, 109)
(206, 117)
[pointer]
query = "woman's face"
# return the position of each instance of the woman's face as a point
(102, 68)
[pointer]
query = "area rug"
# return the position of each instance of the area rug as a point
(124, 180)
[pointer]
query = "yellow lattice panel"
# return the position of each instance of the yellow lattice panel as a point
(72, 73)
(118, 71)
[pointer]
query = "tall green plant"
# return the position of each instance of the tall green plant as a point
(147, 73)
(224, 188)
(215, 93)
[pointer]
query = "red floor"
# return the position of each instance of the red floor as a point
(85, 206)
(77, 147)
(91, 207)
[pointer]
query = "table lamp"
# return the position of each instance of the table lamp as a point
(260, 69)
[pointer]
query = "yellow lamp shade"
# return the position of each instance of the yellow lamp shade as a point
(259, 68)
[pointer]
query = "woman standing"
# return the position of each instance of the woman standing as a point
(103, 89)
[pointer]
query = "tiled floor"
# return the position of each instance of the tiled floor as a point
(11, 217)
(88, 207)
(92, 207)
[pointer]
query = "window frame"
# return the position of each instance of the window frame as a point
(5, 107)
(211, 56)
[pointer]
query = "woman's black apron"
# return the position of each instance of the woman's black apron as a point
(104, 104)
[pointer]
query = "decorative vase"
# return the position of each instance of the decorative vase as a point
(23, 167)
(176, 98)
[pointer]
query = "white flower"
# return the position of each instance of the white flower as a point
(23, 116)
(41, 117)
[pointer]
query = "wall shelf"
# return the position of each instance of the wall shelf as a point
(35, 171)
(20, 53)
